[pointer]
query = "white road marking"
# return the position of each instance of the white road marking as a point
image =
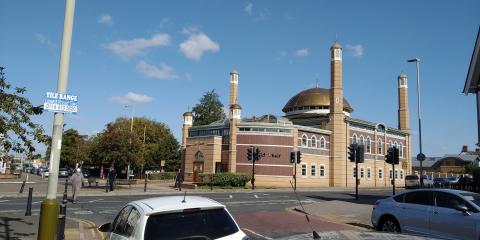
(36, 202)
(15, 182)
(258, 234)
(83, 212)
(255, 196)
(230, 196)
(108, 212)
(96, 200)
(4, 201)
(267, 202)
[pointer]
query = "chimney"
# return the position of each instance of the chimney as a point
(464, 148)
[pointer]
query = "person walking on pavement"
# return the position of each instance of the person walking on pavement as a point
(76, 179)
(112, 175)
(179, 180)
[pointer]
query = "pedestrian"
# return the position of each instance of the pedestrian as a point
(179, 180)
(101, 172)
(112, 175)
(76, 179)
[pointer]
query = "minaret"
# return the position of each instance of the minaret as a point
(234, 116)
(404, 118)
(403, 113)
(338, 139)
(187, 123)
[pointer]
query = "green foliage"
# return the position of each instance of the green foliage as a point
(75, 148)
(18, 131)
(209, 110)
(117, 145)
(226, 179)
(162, 176)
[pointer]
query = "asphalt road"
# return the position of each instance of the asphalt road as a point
(262, 215)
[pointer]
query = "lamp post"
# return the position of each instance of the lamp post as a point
(420, 156)
(132, 112)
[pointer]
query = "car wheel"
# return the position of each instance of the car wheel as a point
(389, 224)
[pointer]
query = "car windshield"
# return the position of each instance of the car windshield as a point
(411, 177)
(472, 197)
(215, 223)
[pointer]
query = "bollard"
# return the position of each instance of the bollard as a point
(23, 186)
(106, 186)
(29, 202)
(63, 214)
(145, 187)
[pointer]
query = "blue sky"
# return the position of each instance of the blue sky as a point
(163, 55)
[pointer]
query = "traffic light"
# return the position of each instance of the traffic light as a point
(299, 157)
(250, 153)
(360, 153)
(396, 155)
(389, 156)
(257, 154)
(293, 157)
(351, 152)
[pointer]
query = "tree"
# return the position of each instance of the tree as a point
(117, 145)
(75, 148)
(18, 132)
(209, 110)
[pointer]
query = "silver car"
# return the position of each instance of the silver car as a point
(440, 213)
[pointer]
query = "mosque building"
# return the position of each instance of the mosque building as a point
(317, 123)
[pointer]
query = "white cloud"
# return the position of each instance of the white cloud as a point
(41, 38)
(248, 9)
(131, 98)
(196, 44)
(355, 50)
(129, 48)
(105, 19)
(301, 52)
(164, 72)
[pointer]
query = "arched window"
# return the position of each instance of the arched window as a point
(322, 142)
(369, 145)
(379, 146)
(362, 140)
(390, 144)
(314, 141)
(354, 138)
(304, 140)
(400, 146)
(395, 144)
(199, 156)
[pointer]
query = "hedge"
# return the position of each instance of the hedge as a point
(225, 179)
(162, 176)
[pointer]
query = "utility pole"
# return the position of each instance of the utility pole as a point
(49, 209)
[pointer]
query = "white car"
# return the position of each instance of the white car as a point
(173, 217)
(440, 213)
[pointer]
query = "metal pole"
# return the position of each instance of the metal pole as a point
(253, 171)
(63, 214)
(145, 187)
(393, 175)
(356, 172)
(478, 116)
(29, 202)
(419, 119)
(295, 174)
(49, 209)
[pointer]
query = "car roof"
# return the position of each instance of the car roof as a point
(454, 191)
(169, 204)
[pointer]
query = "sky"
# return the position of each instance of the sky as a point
(162, 56)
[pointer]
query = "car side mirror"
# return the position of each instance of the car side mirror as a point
(105, 227)
(461, 208)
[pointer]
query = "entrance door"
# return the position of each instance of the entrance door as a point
(197, 169)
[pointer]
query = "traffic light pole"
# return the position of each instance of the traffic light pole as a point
(356, 174)
(393, 176)
(49, 209)
(253, 174)
(295, 174)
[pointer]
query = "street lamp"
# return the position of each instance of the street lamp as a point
(420, 156)
(132, 107)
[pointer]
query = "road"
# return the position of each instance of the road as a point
(262, 215)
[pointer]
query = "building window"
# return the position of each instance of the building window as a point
(304, 169)
(313, 170)
(362, 140)
(379, 146)
(390, 144)
(369, 145)
(380, 173)
(304, 140)
(314, 141)
(354, 138)
(361, 173)
(369, 173)
(400, 146)
(390, 174)
(401, 174)
(322, 142)
(322, 171)
(199, 156)
(354, 172)
(396, 174)
(395, 144)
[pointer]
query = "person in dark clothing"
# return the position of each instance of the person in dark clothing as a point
(179, 179)
(112, 174)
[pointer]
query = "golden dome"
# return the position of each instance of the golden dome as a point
(313, 98)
